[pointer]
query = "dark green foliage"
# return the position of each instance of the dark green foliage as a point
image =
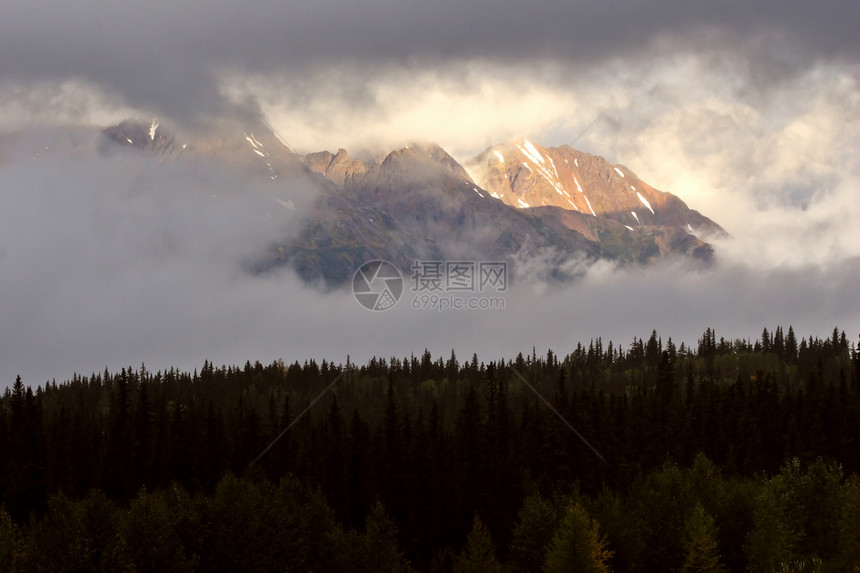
(479, 553)
(247, 524)
(24, 461)
(700, 543)
(804, 515)
(661, 503)
(76, 536)
(160, 530)
(11, 544)
(577, 545)
(374, 549)
(390, 468)
(252, 524)
(380, 543)
(533, 533)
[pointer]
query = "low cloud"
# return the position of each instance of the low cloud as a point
(119, 260)
(777, 168)
(774, 164)
(748, 113)
(24, 105)
(115, 258)
(463, 106)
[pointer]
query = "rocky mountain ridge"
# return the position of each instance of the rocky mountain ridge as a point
(607, 213)
(523, 174)
(514, 202)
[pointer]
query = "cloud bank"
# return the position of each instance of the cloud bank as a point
(120, 260)
(749, 112)
(166, 55)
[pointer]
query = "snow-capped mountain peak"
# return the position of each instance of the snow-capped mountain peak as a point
(417, 202)
(523, 174)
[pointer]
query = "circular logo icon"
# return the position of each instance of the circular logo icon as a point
(377, 285)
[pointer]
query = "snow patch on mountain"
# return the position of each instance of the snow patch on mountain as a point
(532, 151)
(551, 162)
(589, 205)
(645, 202)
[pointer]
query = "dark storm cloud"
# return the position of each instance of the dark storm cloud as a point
(164, 55)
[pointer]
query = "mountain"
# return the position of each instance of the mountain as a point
(516, 202)
(521, 207)
(523, 174)
(143, 137)
(526, 175)
(417, 203)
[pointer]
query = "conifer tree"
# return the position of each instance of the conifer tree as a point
(140, 442)
(536, 524)
(790, 346)
(151, 532)
(479, 554)
(577, 545)
(700, 543)
(380, 541)
(11, 543)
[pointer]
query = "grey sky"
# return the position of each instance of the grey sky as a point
(750, 111)
(164, 55)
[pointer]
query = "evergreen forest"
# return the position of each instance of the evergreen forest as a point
(723, 455)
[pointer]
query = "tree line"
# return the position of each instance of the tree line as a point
(727, 455)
